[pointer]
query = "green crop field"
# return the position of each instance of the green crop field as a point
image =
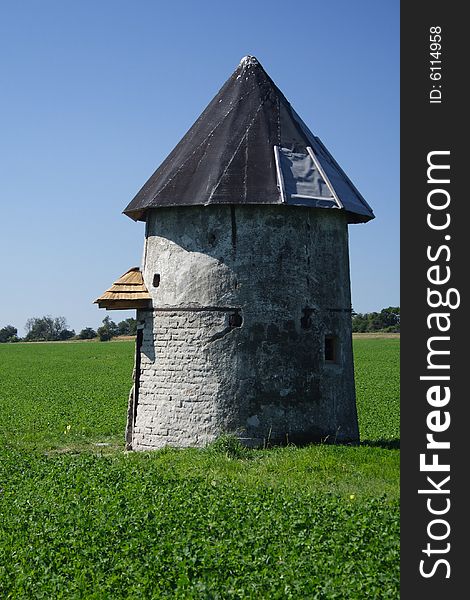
(81, 518)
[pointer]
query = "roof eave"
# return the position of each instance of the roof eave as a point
(124, 304)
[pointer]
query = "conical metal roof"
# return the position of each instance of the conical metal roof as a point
(249, 146)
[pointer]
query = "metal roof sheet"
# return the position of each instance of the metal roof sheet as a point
(229, 155)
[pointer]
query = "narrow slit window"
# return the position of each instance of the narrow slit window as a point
(331, 349)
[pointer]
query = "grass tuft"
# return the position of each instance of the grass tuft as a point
(228, 446)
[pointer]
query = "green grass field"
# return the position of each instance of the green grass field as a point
(79, 519)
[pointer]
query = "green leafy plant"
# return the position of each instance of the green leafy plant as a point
(229, 446)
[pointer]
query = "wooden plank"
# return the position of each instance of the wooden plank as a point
(127, 288)
(125, 296)
(124, 304)
(130, 277)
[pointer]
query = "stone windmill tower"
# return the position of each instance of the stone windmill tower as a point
(246, 325)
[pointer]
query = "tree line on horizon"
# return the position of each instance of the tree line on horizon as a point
(50, 329)
(385, 321)
(54, 329)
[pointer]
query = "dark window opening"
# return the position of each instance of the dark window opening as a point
(331, 349)
(235, 320)
(305, 320)
(156, 280)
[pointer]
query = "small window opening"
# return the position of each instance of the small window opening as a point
(306, 320)
(156, 280)
(331, 349)
(235, 320)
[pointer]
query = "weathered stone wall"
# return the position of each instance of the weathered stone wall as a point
(179, 385)
(243, 299)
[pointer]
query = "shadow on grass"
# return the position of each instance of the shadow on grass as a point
(393, 444)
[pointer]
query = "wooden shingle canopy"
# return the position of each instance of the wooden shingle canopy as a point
(127, 292)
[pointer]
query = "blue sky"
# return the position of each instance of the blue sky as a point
(95, 94)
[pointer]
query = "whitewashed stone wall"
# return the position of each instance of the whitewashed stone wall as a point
(178, 384)
(285, 272)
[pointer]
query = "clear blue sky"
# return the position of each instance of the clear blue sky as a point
(95, 94)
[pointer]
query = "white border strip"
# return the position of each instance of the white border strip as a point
(280, 178)
(322, 198)
(323, 174)
(333, 160)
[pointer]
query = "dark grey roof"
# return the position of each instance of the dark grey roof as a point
(249, 146)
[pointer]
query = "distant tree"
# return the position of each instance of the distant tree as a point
(87, 334)
(108, 330)
(359, 323)
(127, 327)
(47, 329)
(66, 334)
(8, 334)
(387, 320)
(390, 316)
